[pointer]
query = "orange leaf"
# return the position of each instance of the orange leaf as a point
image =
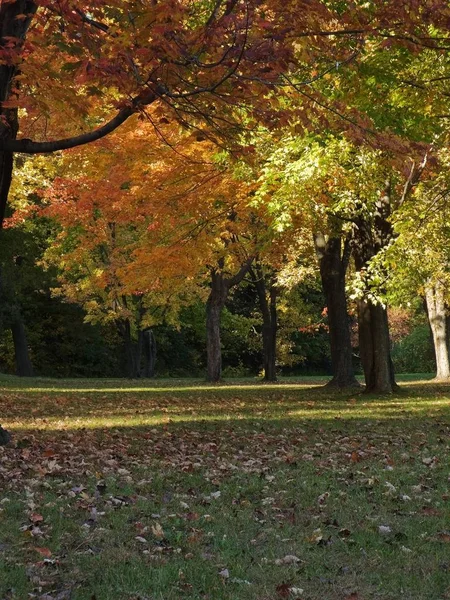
(355, 457)
(43, 552)
(36, 518)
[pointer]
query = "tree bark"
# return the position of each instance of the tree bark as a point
(268, 305)
(149, 353)
(375, 348)
(132, 368)
(333, 262)
(220, 287)
(214, 307)
(437, 316)
(11, 28)
(24, 367)
(369, 237)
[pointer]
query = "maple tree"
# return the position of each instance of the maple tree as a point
(189, 57)
(124, 234)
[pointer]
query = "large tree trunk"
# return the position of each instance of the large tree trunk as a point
(11, 28)
(437, 316)
(375, 347)
(374, 341)
(268, 306)
(24, 367)
(333, 264)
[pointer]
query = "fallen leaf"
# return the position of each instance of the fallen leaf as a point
(158, 531)
(289, 559)
(36, 518)
(283, 590)
(384, 529)
(355, 457)
(43, 551)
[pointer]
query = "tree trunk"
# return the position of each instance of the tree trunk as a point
(131, 350)
(374, 341)
(375, 348)
(24, 367)
(11, 28)
(138, 348)
(437, 316)
(149, 353)
(220, 287)
(268, 306)
(333, 266)
(270, 353)
(214, 307)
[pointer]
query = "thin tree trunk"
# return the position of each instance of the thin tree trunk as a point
(214, 307)
(270, 373)
(220, 287)
(268, 306)
(24, 367)
(149, 353)
(333, 266)
(138, 348)
(437, 316)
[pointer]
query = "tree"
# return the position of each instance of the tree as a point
(301, 183)
(220, 287)
(418, 258)
(264, 280)
(333, 254)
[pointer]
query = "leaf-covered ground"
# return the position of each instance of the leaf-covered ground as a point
(113, 490)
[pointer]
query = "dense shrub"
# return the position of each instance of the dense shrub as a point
(415, 352)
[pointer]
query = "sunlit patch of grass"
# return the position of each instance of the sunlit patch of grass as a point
(99, 408)
(166, 389)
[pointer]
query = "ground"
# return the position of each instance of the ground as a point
(118, 490)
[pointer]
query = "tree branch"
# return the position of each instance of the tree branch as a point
(93, 22)
(232, 281)
(414, 178)
(27, 146)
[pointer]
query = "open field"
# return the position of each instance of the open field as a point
(175, 489)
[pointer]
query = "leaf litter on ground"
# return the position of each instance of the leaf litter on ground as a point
(268, 487)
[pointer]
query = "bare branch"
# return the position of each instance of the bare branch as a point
(413, 178)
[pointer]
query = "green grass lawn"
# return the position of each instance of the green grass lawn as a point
(157, 490)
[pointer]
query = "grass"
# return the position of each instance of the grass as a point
(178, 489)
